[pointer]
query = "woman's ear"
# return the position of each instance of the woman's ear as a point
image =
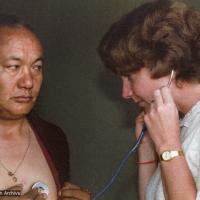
(179, 83)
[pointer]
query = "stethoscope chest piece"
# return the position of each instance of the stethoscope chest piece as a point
(42, 186)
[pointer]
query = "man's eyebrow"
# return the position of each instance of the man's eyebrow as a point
(13, 58)
(19, 59)
(39, 59)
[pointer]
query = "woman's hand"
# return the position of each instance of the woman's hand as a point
(73, 192)
(162, 121)
(32, 194)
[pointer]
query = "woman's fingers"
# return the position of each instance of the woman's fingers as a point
(162, 96)
(166, 95)
(71, 191)
(75, 193)
(158, 98)
(69, 185)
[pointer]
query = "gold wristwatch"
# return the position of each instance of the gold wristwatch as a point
(170, 154)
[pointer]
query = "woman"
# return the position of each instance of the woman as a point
(155, 49)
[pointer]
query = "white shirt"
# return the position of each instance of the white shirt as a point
(190, 139)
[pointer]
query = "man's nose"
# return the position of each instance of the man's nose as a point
(126, 89)
(26, 79)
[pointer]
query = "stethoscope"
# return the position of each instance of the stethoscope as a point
(116, 174)
(130, 152)
(44, 188)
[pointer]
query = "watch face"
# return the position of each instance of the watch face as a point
(166, 155)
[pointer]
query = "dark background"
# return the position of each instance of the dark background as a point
(79, 94)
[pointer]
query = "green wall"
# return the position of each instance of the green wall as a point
(80, 95)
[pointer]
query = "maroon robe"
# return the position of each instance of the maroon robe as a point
(54, 145)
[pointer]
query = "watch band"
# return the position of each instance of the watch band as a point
(170, 154)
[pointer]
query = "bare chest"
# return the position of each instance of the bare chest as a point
(34, 168)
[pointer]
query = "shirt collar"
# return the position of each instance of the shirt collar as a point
(186, 120)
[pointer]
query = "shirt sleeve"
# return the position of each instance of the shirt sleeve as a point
(193, 159)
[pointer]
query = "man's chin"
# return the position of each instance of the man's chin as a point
(12, 116)
(15, 114)
(22, 113)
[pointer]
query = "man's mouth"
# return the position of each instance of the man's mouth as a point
(23, 99)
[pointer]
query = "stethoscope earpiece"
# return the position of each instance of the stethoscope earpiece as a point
(170, 79)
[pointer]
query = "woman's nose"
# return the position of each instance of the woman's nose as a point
(126, 89)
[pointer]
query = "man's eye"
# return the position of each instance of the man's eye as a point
(12, 67)
(37, 67)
